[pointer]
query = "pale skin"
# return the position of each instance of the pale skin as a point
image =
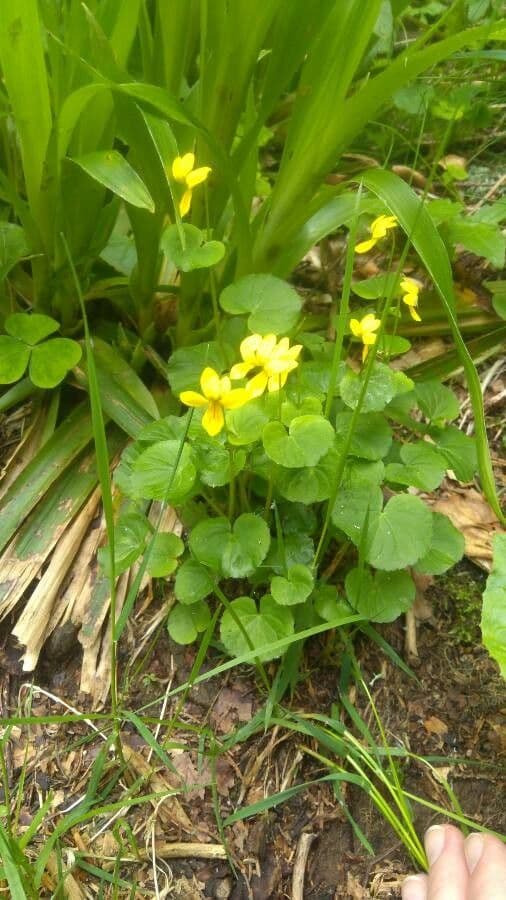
(472, 868)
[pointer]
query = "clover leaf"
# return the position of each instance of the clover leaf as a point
(307, 440)
(48, 362)
(30, 328)
(293, 589)
(263, 626)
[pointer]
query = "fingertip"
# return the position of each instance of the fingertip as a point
(415, 887)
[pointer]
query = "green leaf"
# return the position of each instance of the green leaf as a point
(293, 589)
(263, 626)
(437, 402)
(186, 622)
(14, 356)
(246, 547)
(215, 464)
(381, 597)
(112, 170)
(372, 436)
(459, 451)
(308, 439)
(207, 541)
(480, 238)
(493, 617)
(328, 604)
(423, 467)
(130, 536)
(352, 506)
(186, 365)
(51, 361)
(446, 548)
(402, 534)
(308, 485)
(115, 368)
(163, 555)
(13, 247)
(383, 386)
(197, 252)
(30, 327)
(155, 467)
(297, 548)
(391, 345)
(245, 425)
(273, 305)
(193, 582)
(379, 286)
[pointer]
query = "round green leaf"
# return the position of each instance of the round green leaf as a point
(14, 356)
(163, 554)
(246, 547)
(308, 485)
(328, 604)
(446, 548)
(459, 451)
(381, 597)
(130, 536)
(263, 626)
(401, 535)
(215, 464)
(193, 582)
(273, 305)
(197, 252)
(372, 436)
(377, 286)
(353, 505)
(424, 467)
(30, 327)
(308, 439)
(208, 539)
(185, 622)
(245, 425)
(437, 402)
(50, 361)
(153, 472)
(380, 389)
(293, 589)
(185, 366)
(493, 618)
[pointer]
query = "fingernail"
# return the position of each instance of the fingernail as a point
(434, 842)
(414, 887)
(473, 848)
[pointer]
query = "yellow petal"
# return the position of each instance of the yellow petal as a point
(213, 419)
(365, 351)
(249, 347)
(365, 246)
(236, 398)
(240, 370)
(370, 323)
(210, 383)
(275, 366)
(268, 346)
(225, 385)
(257, 385)
(197, 176)
(182, 166)
(410, 286)
(369, 338)
(410, 299)
(192, 398)
(185, 203)
(355, 327)
(414, 314)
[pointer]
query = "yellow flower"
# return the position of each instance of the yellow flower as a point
(365, 331)
(378, 230)
(274, 358)
(411, 289)
(184, 173)
(217, 395)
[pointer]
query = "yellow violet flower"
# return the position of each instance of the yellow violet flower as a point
(365, 331)
(377, 230)
(274, 358)
(183, 172)
(411, 288)
(217, 395)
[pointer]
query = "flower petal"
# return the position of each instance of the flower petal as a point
(213, 419)
(369, 338)
(356, 327)
(249, 348)
(257, 385)
(185, 203)
(414, 314)
(210, 383)
(236, 398)
(197, 176)
(240, 370)
(182, 166)
(365, 246)
(192, 398)
(370, 323)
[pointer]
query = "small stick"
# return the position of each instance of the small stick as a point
(299, 869)
(411, 646)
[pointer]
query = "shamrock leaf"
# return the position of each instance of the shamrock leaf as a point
(14, 357)
(50, 361)
(30, 328)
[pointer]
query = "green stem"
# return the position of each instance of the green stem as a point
(231, 486)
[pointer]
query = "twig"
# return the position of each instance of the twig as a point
(299, 869)
(411, 646)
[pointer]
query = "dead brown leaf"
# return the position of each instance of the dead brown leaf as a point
(193, 780)
(231, 706)
(470, 513)
(433, 725)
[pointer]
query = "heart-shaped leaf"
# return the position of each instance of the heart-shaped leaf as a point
(263, 626)
(163, 555)
(207, 540)
(384, 384)
(163, 472)
(186, 622)
(353, 506)
(293, 589)
(329, 605)
(273, 305)
(308, 439)
(381, 597)
(423, 467)
(14, 356)
(197, 253)
(30, 327)
(246, 547)
(401, 535)
(372, 435)
(50, 361)
(310, 484)
(446, 547)
(193, 582)
(436, 401)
